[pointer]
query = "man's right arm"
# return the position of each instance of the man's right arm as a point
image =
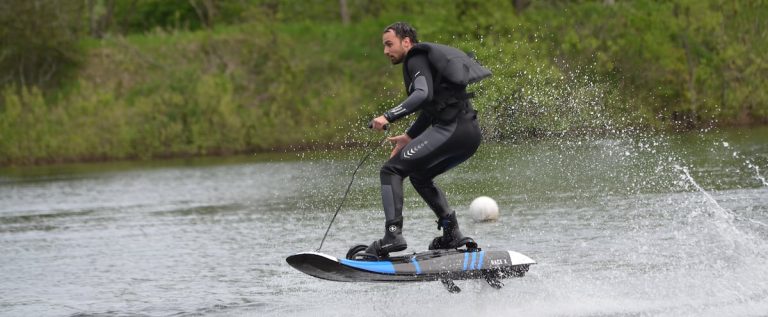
(421, 90)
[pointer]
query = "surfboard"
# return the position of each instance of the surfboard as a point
(444, 265)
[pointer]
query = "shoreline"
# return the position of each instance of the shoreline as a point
(297, 150)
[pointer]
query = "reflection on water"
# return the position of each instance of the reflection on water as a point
(615, 227)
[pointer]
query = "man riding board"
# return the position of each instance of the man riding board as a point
(445, 133)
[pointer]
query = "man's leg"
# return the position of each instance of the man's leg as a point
(436, 150)
(392, 200)
(461, 143)
(418, 155)
(436, 200)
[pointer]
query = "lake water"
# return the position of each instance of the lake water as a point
(619, 225)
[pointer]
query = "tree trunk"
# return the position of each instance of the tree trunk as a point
(105, 22)
(520, 5)
(210, 9)
(205, 12)
(99, 23)
(92, 19)
(690, 60)
(691, 63)
(344, 12)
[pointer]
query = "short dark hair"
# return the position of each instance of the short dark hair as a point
(403, 30)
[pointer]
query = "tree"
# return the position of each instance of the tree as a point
(344, 12)
(38, 40)
(520, 5)
(206, 11)
(100, 16)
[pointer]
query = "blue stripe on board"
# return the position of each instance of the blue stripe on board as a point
(480, 261)
(466, 257)
(416, 265)
(474, 258)
(371, 266)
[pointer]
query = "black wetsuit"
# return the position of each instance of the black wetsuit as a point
(439, 142)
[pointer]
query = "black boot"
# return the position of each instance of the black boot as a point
(393, 240)
(452, 237)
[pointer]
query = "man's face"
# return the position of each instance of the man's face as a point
(394, 47)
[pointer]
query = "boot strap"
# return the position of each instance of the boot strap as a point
(442, 222)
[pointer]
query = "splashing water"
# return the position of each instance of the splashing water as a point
(727, 228)
(757, 172)
(720, 211)
(748, 163)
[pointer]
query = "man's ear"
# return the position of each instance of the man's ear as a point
(407, 41)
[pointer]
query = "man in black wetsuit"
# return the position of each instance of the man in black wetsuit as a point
(445, 134)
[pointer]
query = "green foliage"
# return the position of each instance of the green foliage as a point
(146, 15)
(38, 41)
(241, 88)
(172, 78)
(678, 58)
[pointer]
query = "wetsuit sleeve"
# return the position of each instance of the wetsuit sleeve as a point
(418, 126)
(421, 89)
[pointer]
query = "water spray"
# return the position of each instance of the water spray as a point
(748, 163)
(757, 176)
(352, 180)
(722, 212)
(687, 176)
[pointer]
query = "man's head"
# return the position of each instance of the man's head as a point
(398, 38)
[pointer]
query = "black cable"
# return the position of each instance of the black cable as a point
(349, 186)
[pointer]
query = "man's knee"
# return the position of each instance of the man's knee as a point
(420, 181)
(387, 169)
(388, 172)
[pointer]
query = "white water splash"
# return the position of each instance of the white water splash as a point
(757, 172)
(749, 164)
(719, 210)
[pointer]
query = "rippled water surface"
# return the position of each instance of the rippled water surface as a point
(642, 225)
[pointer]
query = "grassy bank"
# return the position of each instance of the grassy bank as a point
(282, 81)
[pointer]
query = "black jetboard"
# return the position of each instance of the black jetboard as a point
(433, 265)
